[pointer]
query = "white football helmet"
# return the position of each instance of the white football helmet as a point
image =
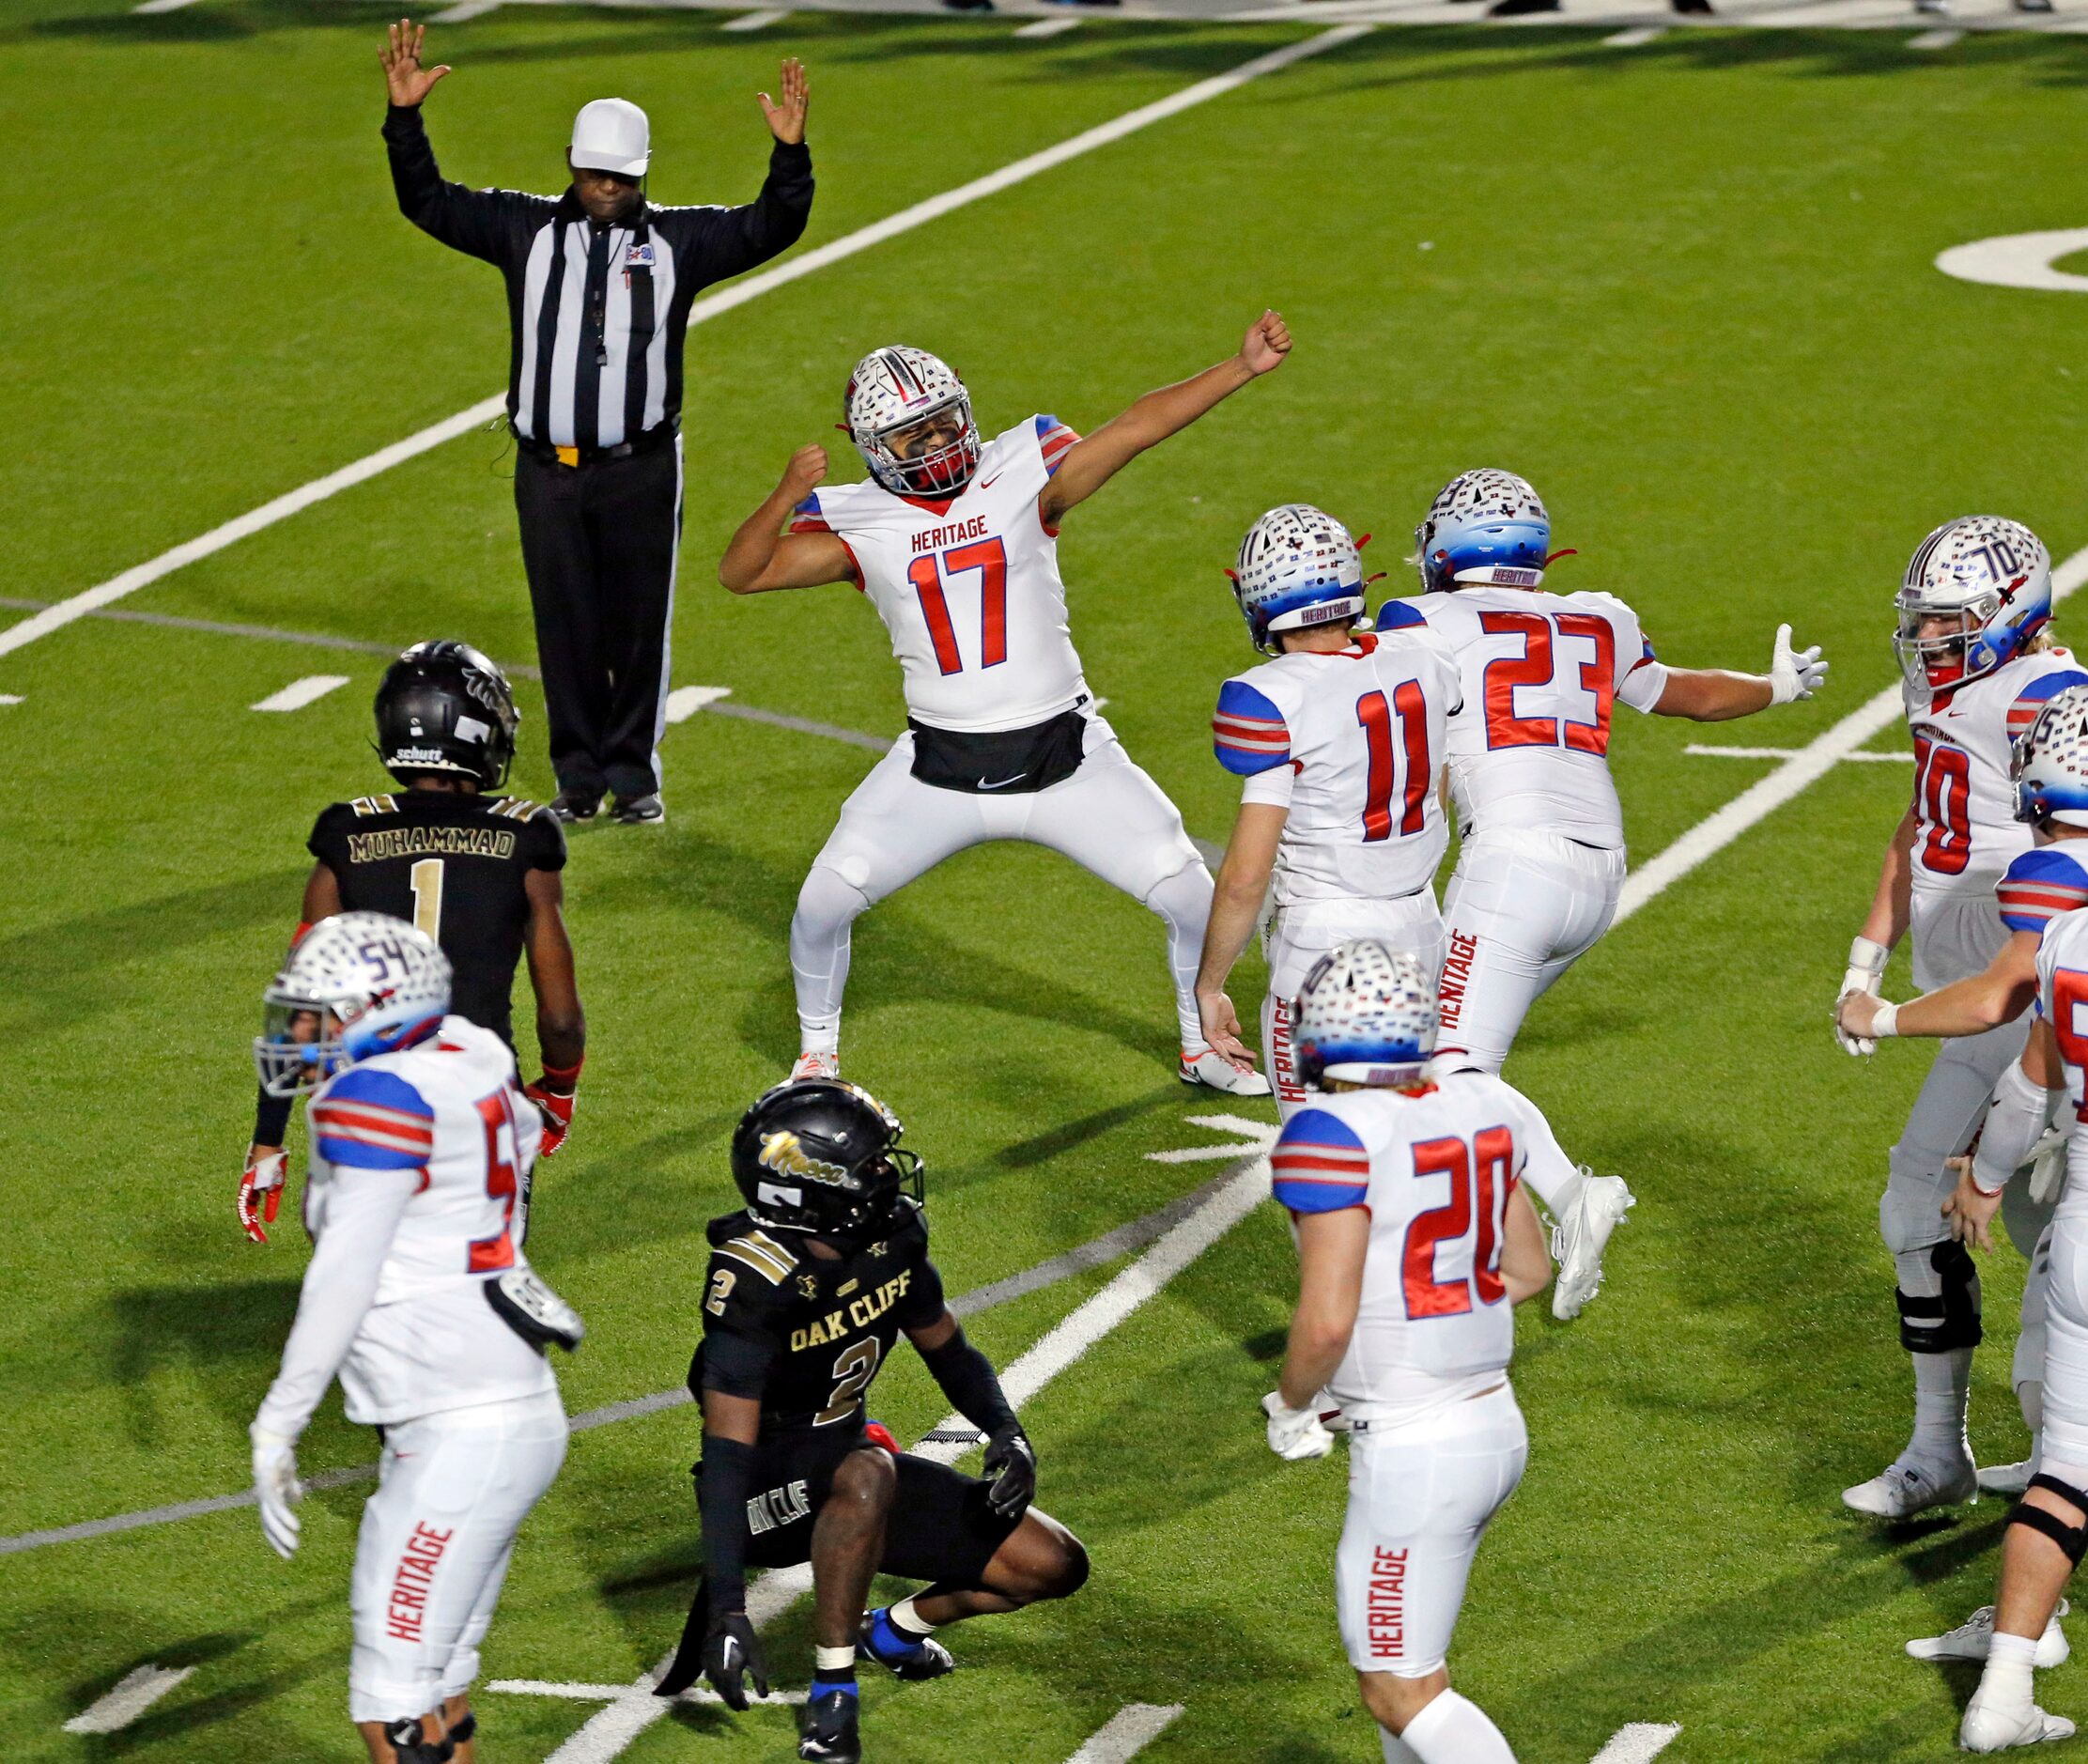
(894, 390)
(1298, 567)
(1365, 1014)
(1484, 526)
(357, 985)
(1990, 581)
(2051, 762)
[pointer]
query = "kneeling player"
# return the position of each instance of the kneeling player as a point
(420, 1298)
(1415, 1242)
(2048, 1533)
(807, 1290)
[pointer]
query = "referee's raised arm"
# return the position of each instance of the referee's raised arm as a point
(599, 286)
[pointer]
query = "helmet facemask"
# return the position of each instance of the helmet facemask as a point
(306, 1041)
(931, 454)
(1936, 660)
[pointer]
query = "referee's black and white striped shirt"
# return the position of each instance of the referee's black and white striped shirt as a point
(596, 313)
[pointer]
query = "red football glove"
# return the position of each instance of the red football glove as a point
(261, 1189)
(557, 1109)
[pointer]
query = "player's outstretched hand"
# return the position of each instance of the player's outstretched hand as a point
(556, 1108)
(1268, 341)
(730, 1650)
(805, 474)
(1221, 1029)
(785, 115)
(1294, 1434)
(1970, 1208)
(1794, 674)
(276, 1489)
(1011, 1462)
(261, 1189)
(405, 79)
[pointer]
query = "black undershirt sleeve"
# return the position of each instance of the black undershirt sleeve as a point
(968, 1380)
(722, 1497)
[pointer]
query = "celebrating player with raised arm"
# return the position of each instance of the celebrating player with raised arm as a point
(1415, 1242)
(955, 542)
(478, 872)
(1976, 652)
(1541, 857)
(808, 1289)
(420, 1298)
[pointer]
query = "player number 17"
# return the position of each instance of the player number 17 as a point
(929, 574)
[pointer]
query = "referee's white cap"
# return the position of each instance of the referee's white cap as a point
(610, 134)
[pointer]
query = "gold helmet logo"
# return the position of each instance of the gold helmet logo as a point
(780, 1151)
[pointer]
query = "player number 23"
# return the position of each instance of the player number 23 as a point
(929, 575)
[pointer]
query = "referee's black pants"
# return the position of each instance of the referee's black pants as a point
(598, 544)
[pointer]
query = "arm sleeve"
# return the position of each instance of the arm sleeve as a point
(968, 1380)
(1247, 731)
(271, 1118)
(2040, 886)
(923, 1301)
(728, 1466)
(1272, 787)
(714, 243)
(546, 841)
(363, 1212)
(2015, 1122)
(733, 1361)
(491, 225)
(1319, 1164)
(1640, 682)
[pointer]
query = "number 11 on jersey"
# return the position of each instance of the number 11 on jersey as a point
(1375, 715)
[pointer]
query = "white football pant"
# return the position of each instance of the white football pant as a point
(2066, 1436)
(1420, 1497)
(1108, 817)
(453, 1490)
(1522, 907)
(1301, 935)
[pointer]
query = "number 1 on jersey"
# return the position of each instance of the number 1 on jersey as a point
(1375, 715)
(426, 879)
(989, 557)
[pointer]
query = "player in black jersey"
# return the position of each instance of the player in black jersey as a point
(477, 872)
(807, 1288)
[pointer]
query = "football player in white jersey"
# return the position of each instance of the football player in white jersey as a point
(418, 1298)
(2048, 1531)
(1416, 1242)
(954, 540)
(1978, 662)
(1541, 860)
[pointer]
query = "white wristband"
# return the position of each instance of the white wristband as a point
(1868, 955)
(1885, 1023)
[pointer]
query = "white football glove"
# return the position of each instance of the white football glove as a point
(1295, 1433)
(275, 1486)
(1866, 973)
(1797, 674)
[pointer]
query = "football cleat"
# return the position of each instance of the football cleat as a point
(1579, 1237)
(1989, 1727)
(815, 1066)
(646, 810)
(570, 806)
(2012, 1479)
(1969, 1639)
(831, 1729)
(1214, 1069)
(1907, 1488)
(903, 1656)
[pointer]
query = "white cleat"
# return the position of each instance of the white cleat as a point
(1578, 1239)
(2007, 1478)
(1214, 1069)
(1989, 1727)
(1970, 1640)
(1907, 1488)
(815, 1066)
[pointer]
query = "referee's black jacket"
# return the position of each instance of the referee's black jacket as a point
(596, 313)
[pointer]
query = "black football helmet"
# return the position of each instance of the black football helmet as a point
(445, 708)
(822, 1157)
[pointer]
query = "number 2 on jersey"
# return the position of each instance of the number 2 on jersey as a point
(1375, 715)
(1480, 1176)
(989, 557)
(1536, 668)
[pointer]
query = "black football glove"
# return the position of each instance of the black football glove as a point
(729, 1651)
(1011, 1462)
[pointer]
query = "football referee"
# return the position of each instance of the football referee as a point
(599, 284)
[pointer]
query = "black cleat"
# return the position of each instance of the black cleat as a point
(880, 1642)
(1520, 9)
(831, 1731)
(646, 810)
(576, 805)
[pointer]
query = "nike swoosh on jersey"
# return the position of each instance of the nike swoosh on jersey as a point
(987, 484)
(1002, 783)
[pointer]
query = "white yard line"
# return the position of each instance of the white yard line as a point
(1637, 1742)
(1709, 751)
(133, 1695)
(464, 14)
(299, 693)
(1810, 764)
(1637, 37)
(2019, 260)
(1128, 1732)
(756, 20)
(64, 612)
(612, 1729)
(683, 702)
(1935, 39)
(12, 697)
(1048, 27)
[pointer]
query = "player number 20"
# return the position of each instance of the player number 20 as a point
(1481, 1174)
(929, 575)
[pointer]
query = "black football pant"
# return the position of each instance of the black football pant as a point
(599, 542)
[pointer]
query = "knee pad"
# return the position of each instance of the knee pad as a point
(834, 896)
(1183, 890)
(1910, 1212)
(1950, 1319)
(2073, 1540)
(412, 1748)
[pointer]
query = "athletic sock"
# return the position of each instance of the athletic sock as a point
(906, 1619)
(1183, 902)
(833, 1669)
(1942, 1395)
(1453, 1730)
(2011, 1660)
